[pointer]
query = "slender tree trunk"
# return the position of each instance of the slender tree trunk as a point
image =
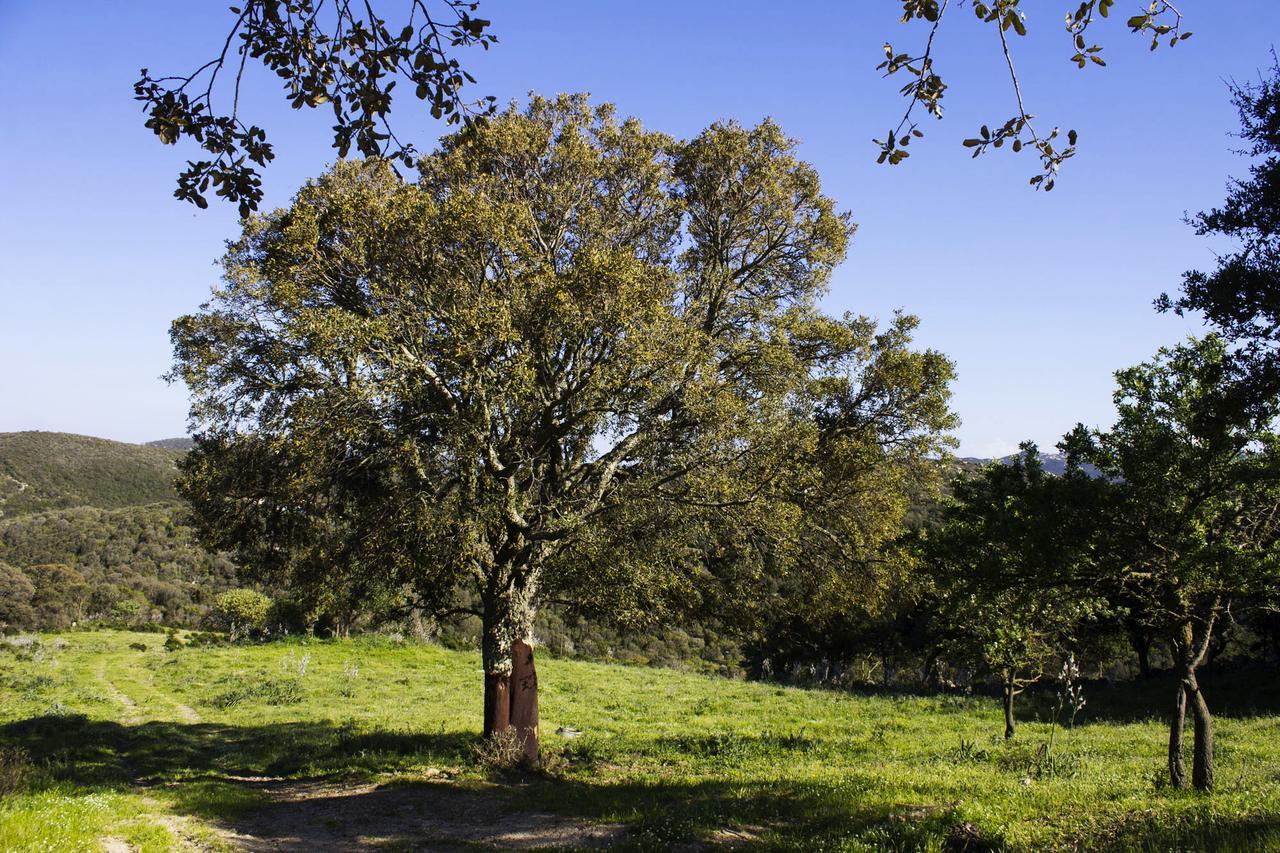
(1009, 691)
(1192, 645)
(1141, 641)
(929, 678)
(1202, 756)
(1177, 772)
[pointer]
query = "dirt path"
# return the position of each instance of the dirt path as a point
(419, 816)
(131, 716)
(187, 713)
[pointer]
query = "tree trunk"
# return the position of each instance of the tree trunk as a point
(1141, 641)
(510, 681)
(495, 652)
(1177, 772)
(929, 678)
(1202, 756)
(1010, 725)
(1192, 645)
(497, 702)
(524, 698)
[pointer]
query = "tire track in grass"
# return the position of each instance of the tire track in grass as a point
(131, 716)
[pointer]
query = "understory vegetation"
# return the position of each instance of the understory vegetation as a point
(120, 738)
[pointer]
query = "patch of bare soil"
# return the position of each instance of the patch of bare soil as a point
(419, 816)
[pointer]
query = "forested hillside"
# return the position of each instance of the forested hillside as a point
(129, 566)
(92, 529)
(52, 470)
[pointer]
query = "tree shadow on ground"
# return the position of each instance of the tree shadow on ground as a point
(312, 786)
(1224, 835)
(104, 753)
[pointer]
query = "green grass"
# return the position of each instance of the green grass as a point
(121, 741)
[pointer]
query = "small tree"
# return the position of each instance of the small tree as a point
(241, 612)
(1013, 636)
(60, 595)
(1191, 525)
(1007, 540)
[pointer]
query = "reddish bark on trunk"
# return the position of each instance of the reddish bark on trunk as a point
(497, 703)
(524, 698)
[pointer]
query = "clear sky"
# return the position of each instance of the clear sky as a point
(1038, 298)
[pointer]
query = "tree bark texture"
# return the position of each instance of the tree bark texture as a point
(524, 698)
(1177, 771)
(510, 680)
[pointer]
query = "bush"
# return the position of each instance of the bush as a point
(501, 752)
(205, 638)
(261, 688)
(241, 612)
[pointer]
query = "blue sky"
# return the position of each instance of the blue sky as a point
(1038, 298)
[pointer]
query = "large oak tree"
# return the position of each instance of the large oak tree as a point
(575, 360)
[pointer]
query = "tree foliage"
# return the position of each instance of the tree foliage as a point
(1193, 468)
(142, 564)
(1241, 296)
(344, 55)
(1006, 557)
(925, 88)
(341, 54)
(241, 612)
(16, 593)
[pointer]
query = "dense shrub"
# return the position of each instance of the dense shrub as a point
(241, 612)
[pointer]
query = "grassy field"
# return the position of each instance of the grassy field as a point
(132, 746)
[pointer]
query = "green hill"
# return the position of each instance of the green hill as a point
(52, 470)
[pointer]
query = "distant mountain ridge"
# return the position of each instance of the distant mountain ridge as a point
(42, 471)
(1054, 463)
(182, 443)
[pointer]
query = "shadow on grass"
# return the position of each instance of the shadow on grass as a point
(308, 785)
(1225, 835)
(298, 786)
(106, 753)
